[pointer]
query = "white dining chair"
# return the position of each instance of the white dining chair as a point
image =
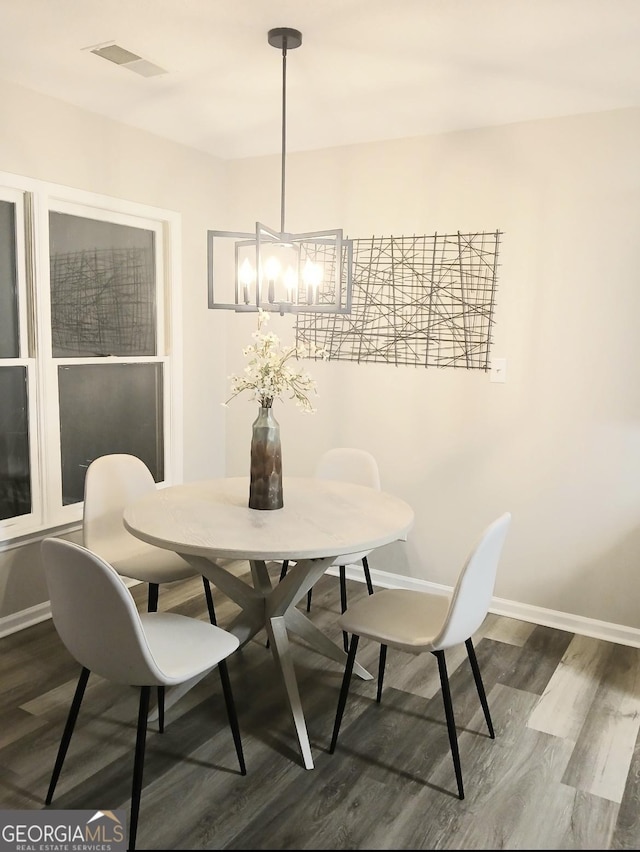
(97, 619)
(417, 622)
(113, 482)
(346, 464)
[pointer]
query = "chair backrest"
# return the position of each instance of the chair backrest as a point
(95, 614)
(111, 483)
(348, 464)
(474, 588)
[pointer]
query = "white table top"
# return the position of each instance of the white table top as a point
(320, 518)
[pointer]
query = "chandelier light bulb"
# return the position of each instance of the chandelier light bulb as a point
(272, 271)
(312, 277)
(272, 268)
(246, 276)
(290, 283)
(310, 274)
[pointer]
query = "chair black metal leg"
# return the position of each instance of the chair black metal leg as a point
(161, 709)
(138, 765)
(68, 731)
(231, 713)
(381, 664)
(344, 689)
(343, 588)
(367, 574)
(152, 606)
(283, 570)
(343, 602)
(152, 601)
(451, 722)
(209, 596)
(475, 668)
(309, 600)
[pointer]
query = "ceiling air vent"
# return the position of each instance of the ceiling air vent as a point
(127, 59)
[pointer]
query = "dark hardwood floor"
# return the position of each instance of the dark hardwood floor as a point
(562, 773)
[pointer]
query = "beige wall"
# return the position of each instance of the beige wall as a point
(49, 140)
(46, 139)
(558, 444)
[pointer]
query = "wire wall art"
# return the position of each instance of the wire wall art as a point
(102, 302)
(424, 301)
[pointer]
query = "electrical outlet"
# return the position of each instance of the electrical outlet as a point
(498, 370)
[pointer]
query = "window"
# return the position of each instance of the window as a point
(88, 357)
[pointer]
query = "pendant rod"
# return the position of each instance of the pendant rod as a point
(284, 130)
(284, 38)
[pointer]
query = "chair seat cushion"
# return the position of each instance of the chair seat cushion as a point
(184, 647)
(400, 618)
(152, 565)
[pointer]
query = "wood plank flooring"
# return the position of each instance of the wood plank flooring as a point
(562, 773)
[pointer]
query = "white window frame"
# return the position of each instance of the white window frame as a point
(34, 200)
(24, 523)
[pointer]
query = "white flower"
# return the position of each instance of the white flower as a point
(269, 374)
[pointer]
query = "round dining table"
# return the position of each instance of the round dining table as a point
(209, 522)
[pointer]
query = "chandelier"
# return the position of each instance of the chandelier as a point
(277, 270)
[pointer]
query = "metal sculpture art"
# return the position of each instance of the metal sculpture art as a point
(423, 301)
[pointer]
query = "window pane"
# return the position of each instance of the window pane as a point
(109, 408)
(8, 282)
(15, 479)
(102, 288)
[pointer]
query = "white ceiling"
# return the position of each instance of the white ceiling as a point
(366, 70)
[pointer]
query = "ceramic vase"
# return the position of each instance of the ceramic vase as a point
(265, 488)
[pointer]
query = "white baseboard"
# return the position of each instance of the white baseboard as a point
(25, 618)
(32, 615)
(605, 630)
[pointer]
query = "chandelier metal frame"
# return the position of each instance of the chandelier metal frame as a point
(278, 270)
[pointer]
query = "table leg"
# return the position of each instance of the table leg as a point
(294, 586)
(281, 650)
(281, 614)
(290, 590)
(274, 608)
(298, 622)
(250, 598)
(246, 624)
